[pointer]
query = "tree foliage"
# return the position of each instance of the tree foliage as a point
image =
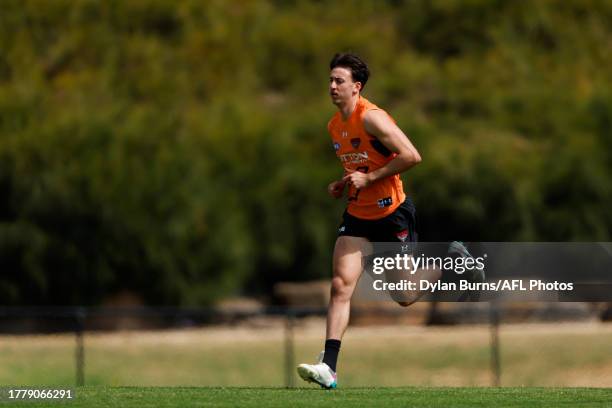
(179, 149)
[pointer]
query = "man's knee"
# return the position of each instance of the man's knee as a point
(405, 299)
(403, 303)
(340, 289)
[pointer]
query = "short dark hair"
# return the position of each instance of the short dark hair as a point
(359, 69)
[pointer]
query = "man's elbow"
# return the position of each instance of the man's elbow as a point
(413, 158)
(409, 158)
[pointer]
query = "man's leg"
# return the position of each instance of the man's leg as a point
(347, 267)
(408, 297)
(433, 274)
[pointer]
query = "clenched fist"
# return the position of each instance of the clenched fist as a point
(336, 188)
(357, 179)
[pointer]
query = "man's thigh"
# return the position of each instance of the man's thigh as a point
(348, 258)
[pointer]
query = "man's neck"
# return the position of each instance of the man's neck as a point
(348, 108)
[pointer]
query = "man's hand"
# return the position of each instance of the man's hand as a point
(336, 188)
(357, 179)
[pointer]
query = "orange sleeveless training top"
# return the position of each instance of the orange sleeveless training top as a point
(360, 151)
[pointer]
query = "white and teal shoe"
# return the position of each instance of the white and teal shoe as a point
(319, 373)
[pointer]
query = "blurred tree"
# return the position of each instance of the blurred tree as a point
(179, 149)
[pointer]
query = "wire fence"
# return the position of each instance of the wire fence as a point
(78, 321)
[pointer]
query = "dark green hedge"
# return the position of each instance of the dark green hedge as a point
(179, 149)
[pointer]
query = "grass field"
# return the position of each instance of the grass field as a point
(534, 355)
(350, 397)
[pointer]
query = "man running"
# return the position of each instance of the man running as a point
(373, 151)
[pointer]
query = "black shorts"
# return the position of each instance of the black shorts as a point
(399, 226)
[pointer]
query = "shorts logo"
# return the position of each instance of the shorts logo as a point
(336, 146)
(342, 229)
(344, 133)
(402, 235)
(355, 142)
(385, 202)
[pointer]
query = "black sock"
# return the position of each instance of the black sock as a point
(332, 348)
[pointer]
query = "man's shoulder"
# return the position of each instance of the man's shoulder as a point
(367, 106)
(369, 111)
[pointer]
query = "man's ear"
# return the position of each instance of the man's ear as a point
(358, 85)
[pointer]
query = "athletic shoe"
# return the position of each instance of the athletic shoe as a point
(319, 373)
(476, 275)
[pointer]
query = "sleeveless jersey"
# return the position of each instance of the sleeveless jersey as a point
(360, 151)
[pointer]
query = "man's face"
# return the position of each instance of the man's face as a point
(341, 85)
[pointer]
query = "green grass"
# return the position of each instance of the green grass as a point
(349, 397)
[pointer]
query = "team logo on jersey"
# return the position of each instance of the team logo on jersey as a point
(355, 142)
(336, 146)
(344, 133)
(385, 202)
(402, 235)
(354, 158)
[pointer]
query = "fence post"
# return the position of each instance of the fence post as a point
(289, 350)
(495, 356)
(80, 347)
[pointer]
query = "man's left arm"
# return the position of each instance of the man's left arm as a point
(380, 125)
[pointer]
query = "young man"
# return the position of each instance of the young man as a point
(373, 152)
